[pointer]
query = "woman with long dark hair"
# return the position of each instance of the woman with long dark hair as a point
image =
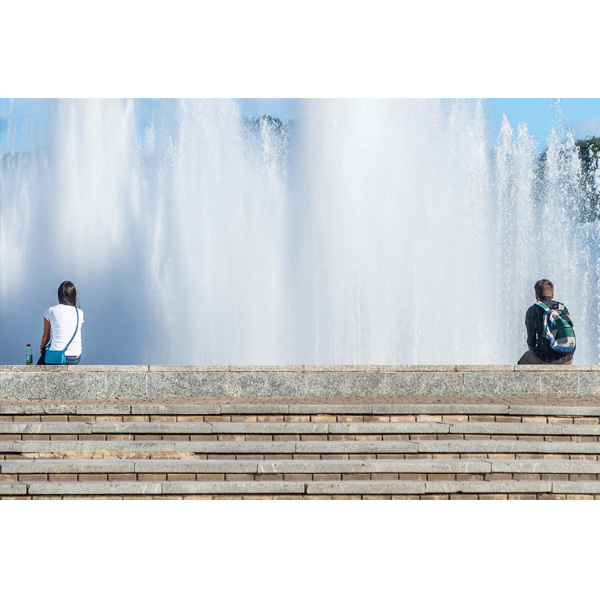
(61, 322)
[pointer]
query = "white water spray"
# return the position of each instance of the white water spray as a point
(369, 232)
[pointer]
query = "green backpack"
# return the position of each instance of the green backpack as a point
(558, 329)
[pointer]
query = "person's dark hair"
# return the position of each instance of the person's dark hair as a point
(67, 294)
(544, 288)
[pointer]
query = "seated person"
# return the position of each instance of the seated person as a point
(60, 323)
(540, 350)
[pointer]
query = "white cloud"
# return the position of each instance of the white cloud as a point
(588, 126)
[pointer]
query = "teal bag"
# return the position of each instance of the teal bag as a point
(558, 329)
(57, 357)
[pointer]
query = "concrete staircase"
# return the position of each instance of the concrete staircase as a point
(295, 449)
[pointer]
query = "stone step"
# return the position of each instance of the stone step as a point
(347, 489)
(347, 449)
(421, 466)
(262, 428)
(257, 408)
(160, 449)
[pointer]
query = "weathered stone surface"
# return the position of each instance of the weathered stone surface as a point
(188, 368)
(68, 386)
(195, 466)
(107, 368)
(356, 447)
(374, 466)
(340, 368)
(97, 386)
(439, 409)
(286, 384)
(485, 368)
(46, 427)
(116, 385)
(417, 368)
(266, 369)
(13, 489)
(364, 384)
(589, 384)
(521, 384)
(188, 427)
(543, 368)
(580, 429)
(445, 466)
(23, 385)
(576, 487)
(37, 409)
(254, 409)
(487, 487)
(506, 428)
(326, 384)
(67, 466)
(175, 409)
(581, 411)
(311, 466)
(18, 409)
(91, 408)
(158, 427)
(232, 487)
(236, 447)
(167, 385)
(506, 384)
(366, 487)
(270, 428)
(100, 488)
(247, 384)
(92, 446)
(139, 381)
(569, 447)
(559, 384)
(209, 384)
(484, 384)
(32, 369)
(9, 447)
(388, 428)
(58, 409)
(323, 409)
(479, 447)
(422, 384)
(545, 466)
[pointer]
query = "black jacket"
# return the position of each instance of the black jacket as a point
(534, 321)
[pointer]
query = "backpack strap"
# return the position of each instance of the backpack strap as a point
(76, 328)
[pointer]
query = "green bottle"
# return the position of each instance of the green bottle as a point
(28, 355)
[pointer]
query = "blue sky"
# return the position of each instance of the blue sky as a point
(540, 114)
(582, 114)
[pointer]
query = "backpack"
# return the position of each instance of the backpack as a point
(558, 329)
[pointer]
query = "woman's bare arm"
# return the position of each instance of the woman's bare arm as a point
(45, 335)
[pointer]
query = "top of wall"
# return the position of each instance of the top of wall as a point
(299, 368)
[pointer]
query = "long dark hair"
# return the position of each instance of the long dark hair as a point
(67, 294)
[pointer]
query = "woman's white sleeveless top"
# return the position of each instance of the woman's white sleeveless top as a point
(63, 321)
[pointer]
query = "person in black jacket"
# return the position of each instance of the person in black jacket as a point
(540, 352)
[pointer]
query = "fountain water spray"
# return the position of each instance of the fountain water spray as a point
(367, 232)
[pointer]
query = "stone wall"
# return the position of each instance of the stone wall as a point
(153, 382)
